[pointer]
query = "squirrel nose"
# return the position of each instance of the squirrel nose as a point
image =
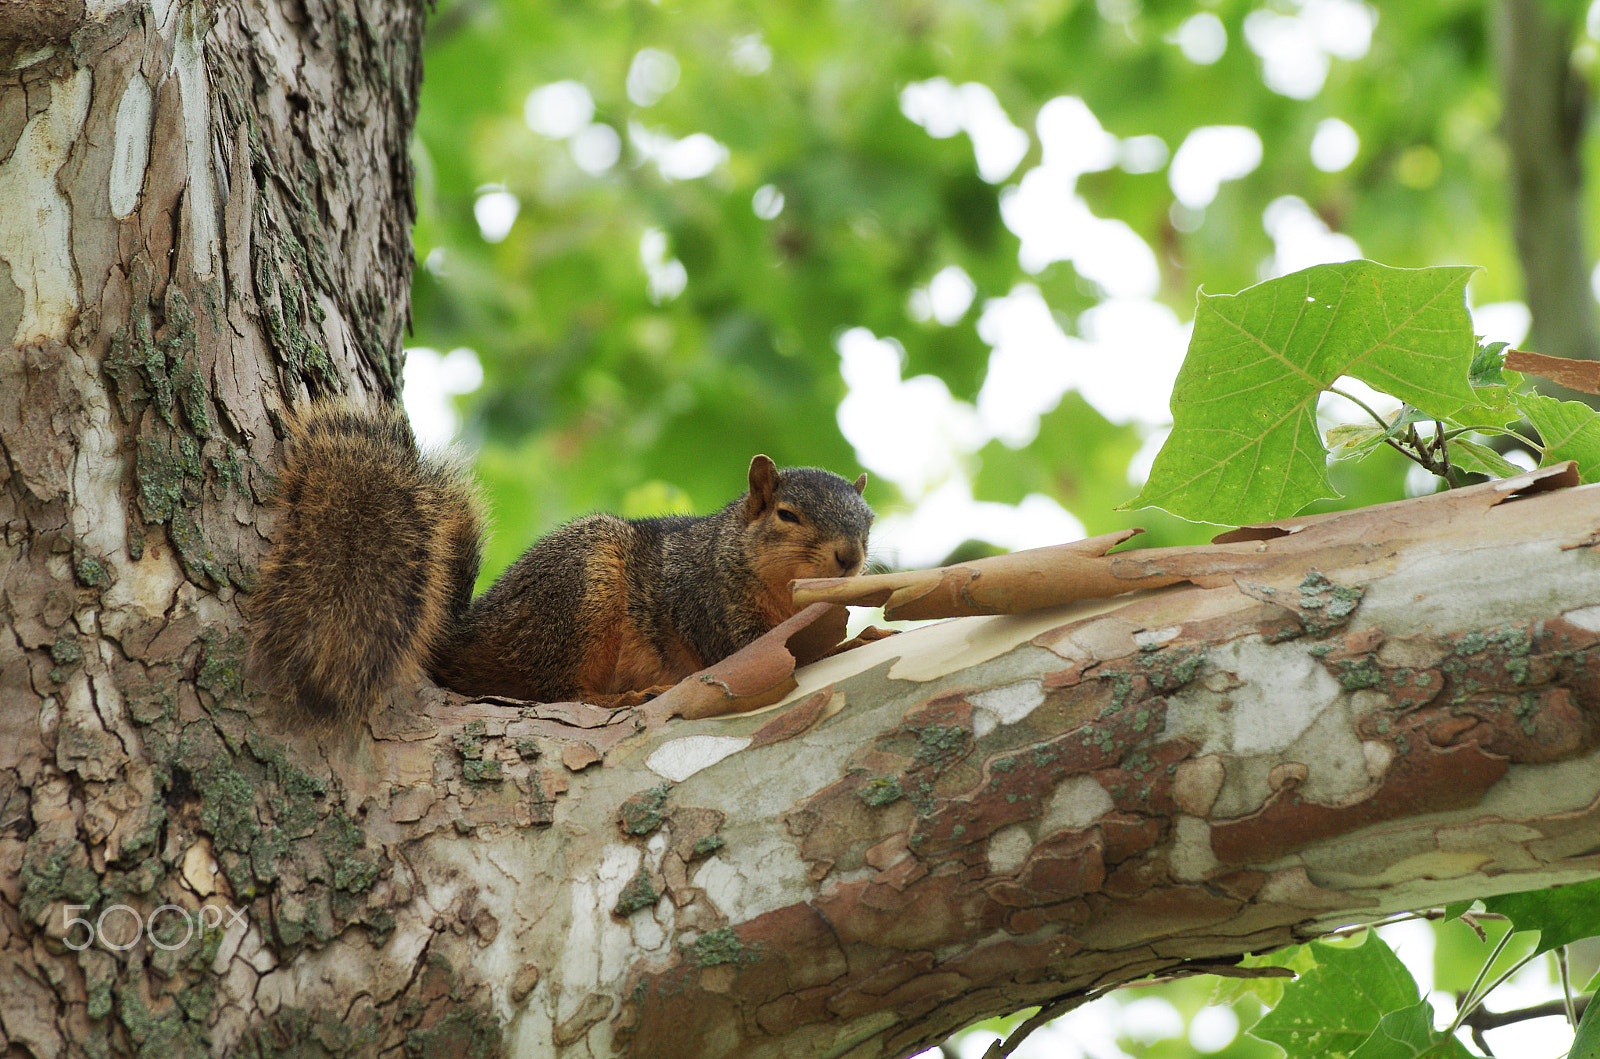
(847, 558)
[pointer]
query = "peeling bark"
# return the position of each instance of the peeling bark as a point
(1316, 722)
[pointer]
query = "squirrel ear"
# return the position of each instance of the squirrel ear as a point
(861, 483)
(763, 481)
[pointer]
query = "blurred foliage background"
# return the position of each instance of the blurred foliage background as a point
(661, 226)
(708, 195)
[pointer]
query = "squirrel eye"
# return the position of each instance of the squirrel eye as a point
(788, 516)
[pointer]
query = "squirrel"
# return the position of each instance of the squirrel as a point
(369, 583)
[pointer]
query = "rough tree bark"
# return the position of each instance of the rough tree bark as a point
(1318, 723)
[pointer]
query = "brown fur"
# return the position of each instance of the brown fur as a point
(369, 582)
(338, 618)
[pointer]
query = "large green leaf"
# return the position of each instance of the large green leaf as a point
(1408, 1033)
(1245, 444)
(1586, 1045)
(1560, 915)
(1570, 431)
(1336, 1005)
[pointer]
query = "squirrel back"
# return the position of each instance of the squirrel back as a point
(369, 582)
(605, 605)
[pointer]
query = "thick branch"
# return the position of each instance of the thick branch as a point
(1385, 710)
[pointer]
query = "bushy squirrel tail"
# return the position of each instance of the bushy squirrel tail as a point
(374, 562)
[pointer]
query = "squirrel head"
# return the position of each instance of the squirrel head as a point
(805, 522)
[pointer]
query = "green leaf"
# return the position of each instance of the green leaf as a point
(1494, 386)
(1336, 1005)
(1358, 437)
(1408, 1033)
(1570, 431)
(1244, 444)
(1363, 438)
(1480, 459)
(1298, 958)
(1586, 1045)
(1561, 915)
(1488, 364)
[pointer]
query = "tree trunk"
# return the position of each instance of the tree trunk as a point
(1544, 115)
(204, 216)
(1320, 723)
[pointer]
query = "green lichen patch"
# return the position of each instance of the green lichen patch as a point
(463, 1033)
(222, 665)
(206, 769)
(66, 654)
(642, 813)
(1514, 640)
(1324, 605)
(99, 979)
(170, 474)
(168, 471)
(922, 795)
(940, 744)
(469, 747)
(162, 1029)
(344, 846)
(200, 562)
(294, 795)
(280, 265)
(227, 471)
(293, 1031)
(1122, 689)
(481, 773)
(721, 946)
(1169, 670)
(55, 874)
(152, 360)
(541, 803)
(1355, 674)
(882, 790)
(706, 846)
(638, 893)
(92, 571)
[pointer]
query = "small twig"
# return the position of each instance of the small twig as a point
(1469, 1000)
(1471, 920)
(1359, 403)
(1483, 1019)
(1566, 985)
(1443, 449)
(1047, 1013)
(1474, 1002)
